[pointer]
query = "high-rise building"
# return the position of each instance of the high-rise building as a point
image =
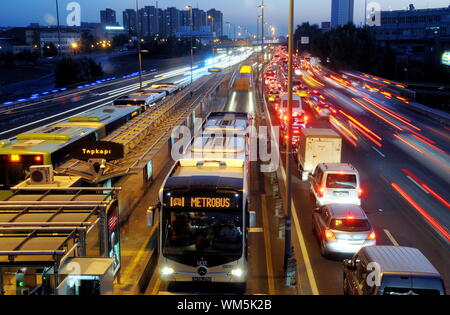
(341, 12)
(185, 18)
(129, 20)
(148, 21)
(108, 17)
(171, 21)
(216, 22)
(199, 18)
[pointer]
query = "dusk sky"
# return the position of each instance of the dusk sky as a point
(241, 12)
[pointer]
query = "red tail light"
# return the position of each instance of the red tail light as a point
(372, 236)
(38, 158)
(360, 192)
(15, 158)
(321, 191)
(329, 235)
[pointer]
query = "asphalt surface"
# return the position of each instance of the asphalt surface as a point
(393, 176)
(15, 119)
(405, 175)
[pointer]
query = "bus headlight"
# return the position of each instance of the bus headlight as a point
(167, 271)
(237, 272)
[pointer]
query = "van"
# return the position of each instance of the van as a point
(391, 270)
(336, 183)
(317, 146)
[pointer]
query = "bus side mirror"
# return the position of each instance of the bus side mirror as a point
(150, 215)
(252, 219)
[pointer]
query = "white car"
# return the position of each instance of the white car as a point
(336, 183)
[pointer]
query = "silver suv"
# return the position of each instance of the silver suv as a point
(342, 229)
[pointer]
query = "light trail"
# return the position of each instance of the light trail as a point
(420, 151)
(378, 115)
(427, 188)
(442, 230)
(338, 126)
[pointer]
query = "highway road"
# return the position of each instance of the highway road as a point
(26, 116)
(403, 162)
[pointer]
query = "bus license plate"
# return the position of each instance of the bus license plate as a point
(202, 279)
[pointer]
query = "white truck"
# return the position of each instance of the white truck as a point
(317, 146)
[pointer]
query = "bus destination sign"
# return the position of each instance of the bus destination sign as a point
(203, 202)
(98, 150)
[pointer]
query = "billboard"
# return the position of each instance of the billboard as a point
(446, 58)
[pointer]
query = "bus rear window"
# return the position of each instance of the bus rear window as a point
(342, 181)
(350, 225)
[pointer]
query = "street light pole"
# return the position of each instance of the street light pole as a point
(288, 224)
(139, 45)
(262, 23)
(59, 28)
(212, 32)
(365, 13)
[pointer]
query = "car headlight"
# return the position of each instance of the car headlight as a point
(237, 272)
(167, 271)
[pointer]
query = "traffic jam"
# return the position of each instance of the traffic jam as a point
(339, 221)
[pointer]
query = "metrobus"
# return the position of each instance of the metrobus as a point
(204, 214)
(144, 98)
(243, 81)
(237, 123)
(52, 144)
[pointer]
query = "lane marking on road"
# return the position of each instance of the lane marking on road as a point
(298, 229)
(391, 238)
(417, 184)
(269, 263)
(379, 152)
(69, 111)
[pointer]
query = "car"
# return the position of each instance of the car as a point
(297, 108)
(273, 96)
(296, 132)
(398, 271)
(342, 229)
(336, 183)
(213, 70)
(323, 109)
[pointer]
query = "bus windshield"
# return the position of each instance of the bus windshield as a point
(214, 235)
(12, 174)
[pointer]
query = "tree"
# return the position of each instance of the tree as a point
(88, 42)
(8, 60)
(120, 40)
(73, 71)
(50, 50)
